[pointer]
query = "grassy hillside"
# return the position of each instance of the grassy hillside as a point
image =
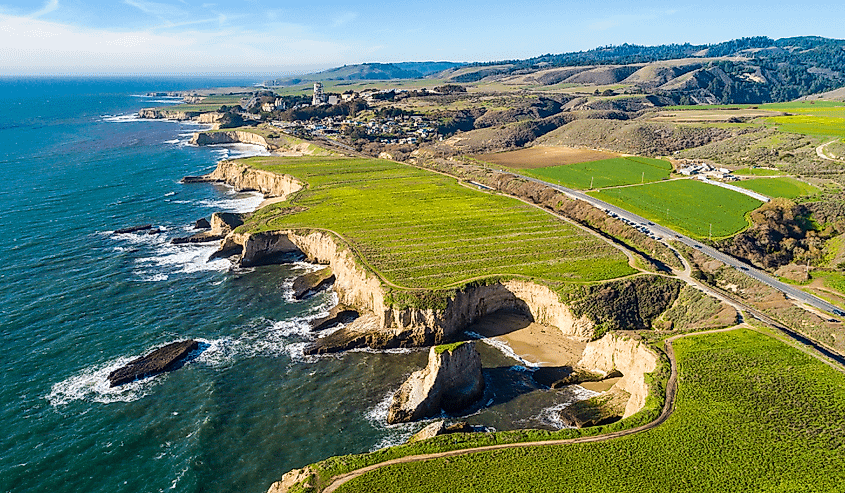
(741, 423)
(423, 230)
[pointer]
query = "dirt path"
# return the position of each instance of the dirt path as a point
(668, 408)
(820, 152)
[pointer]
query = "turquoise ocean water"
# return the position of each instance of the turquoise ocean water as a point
(77, 301)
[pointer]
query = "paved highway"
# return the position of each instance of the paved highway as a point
(666, 234)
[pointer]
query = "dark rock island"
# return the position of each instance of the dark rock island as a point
(163, 359)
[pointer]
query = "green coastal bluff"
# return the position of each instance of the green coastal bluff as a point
(421, 257)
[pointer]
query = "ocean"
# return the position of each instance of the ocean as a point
(78, 301)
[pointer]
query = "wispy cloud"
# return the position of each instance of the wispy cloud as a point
(50, 6)
(343, 19)
(161, 10)
(35, 46)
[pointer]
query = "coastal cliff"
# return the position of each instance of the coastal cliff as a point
(392, 326)
(231, 137)
(246, 178)
(164, 114)
(272, 139)
(393, 317)
(628, 356)
(451, 381)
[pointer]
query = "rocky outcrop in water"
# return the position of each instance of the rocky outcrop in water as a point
(440, 428)
(312, 282)
(451, 381)
(602, 409)
(557, 377)
(163, 359)
(222, 223)
(340, 314)
(202, 223)
(204, 237)
(133, 229)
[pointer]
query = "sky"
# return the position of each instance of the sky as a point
(271, 38)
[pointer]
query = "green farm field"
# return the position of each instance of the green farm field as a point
(757, 172)
(605, 173)
(688, 206)
(751, 414)
(817, 126)
(817, 118)
(789, 188)
(418, 229)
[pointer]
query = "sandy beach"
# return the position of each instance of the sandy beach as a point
(538, 344)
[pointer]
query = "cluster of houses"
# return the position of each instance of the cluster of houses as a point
(279, 104)
(394, 130)
(692, 168)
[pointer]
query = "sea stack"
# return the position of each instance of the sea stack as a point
(161, 360)
(451, 381)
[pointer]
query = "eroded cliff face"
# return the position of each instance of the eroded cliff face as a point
(287, 145)
(230, 137)
(243, 177)
(469, 305)
(361, 289)
(632, 358)
(451, 381)
(158, 114)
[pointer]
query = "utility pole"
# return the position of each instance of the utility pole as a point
(642, 180)
(591, 182)
(711, 231)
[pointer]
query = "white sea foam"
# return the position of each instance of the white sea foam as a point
(151, 277)
(234, 151)
(297, 269)
(184, 258)
(131, 117)
(139, 238)
(92, 384)
(236, 202)
(172, 141)
(550, 416)
(396, 434)
(504, 348)
(268, 338)
(399, 350)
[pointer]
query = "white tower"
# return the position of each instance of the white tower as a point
(318, 98)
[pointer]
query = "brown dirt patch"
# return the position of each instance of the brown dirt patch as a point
(710, 116)
(544, 157)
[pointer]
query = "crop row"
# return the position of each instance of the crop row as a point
(422, 229)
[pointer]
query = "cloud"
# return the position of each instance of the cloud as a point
(51, 6)
(35, 46)
(343, 19)
(161, 10)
